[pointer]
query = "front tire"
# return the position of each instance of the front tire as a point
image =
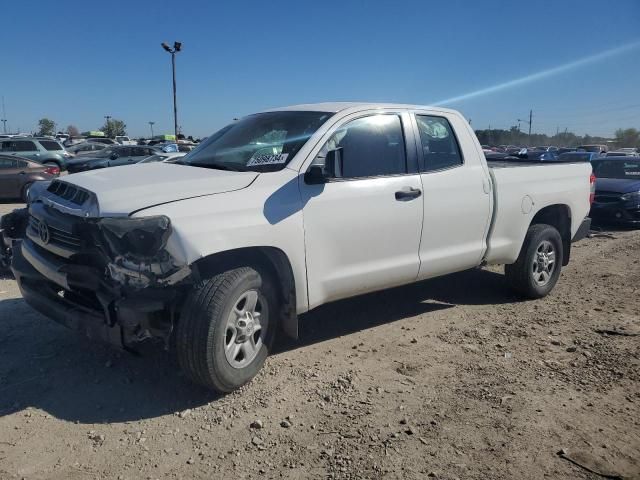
(227, 328)
(537, 269)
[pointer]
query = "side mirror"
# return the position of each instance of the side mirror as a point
(332, 168)
(315, 175)
(113, 156)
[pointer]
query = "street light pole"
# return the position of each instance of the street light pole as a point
(151, 126)
(177, 46)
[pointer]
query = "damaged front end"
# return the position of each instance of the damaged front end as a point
(12, 228)
(110, 278)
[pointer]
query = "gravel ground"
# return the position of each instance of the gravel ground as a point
(449, 378)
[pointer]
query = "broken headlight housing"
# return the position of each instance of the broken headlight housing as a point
(141, 237)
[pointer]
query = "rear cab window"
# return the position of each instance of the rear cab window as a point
(440, 148)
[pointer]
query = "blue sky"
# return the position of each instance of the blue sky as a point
(76, 61)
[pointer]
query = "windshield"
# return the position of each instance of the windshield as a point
(621, 169)
(263, 142)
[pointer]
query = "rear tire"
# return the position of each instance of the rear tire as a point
(537, 269)
(227, 328)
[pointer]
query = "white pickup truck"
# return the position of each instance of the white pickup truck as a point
(281, 212)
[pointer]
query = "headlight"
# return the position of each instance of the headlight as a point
(138, 237)
(630, 196)
(36, 189)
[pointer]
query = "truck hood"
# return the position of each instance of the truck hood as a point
(124, 190)
(618, 185)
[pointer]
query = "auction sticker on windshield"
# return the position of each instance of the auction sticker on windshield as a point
(268, 160)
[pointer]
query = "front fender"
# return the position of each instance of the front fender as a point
(266, 214)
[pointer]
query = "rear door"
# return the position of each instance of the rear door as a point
(362, 228)
(27, 149)
(457, 195)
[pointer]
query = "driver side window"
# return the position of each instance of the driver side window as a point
(370, 146)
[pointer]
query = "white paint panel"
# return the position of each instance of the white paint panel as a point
(359, 238)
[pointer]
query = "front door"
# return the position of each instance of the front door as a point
(362, 228)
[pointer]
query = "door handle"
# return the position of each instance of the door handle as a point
(408, 193)
(22, 173)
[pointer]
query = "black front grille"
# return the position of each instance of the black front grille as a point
(57, 236)
(67, 191)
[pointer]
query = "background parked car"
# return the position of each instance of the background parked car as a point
(163, 157)
(110, 157)
(73, 141)
(42, 150)
(562, 150)
(578, 156)
(18, 174)
(105, 140)
(124, 140)
(617, 196)
(627, 150)
(536, 155)
(620, 153)
(86, 148)
(594, 148)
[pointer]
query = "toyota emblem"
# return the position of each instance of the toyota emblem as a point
(43, 232)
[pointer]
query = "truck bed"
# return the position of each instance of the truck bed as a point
(520, 188)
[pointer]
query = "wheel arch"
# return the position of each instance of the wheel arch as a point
(559, 217)
(271, 260)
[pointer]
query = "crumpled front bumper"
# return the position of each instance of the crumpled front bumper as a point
(43, 295)
(118, 318)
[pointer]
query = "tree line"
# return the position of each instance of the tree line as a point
(627, 137)
(111, 128)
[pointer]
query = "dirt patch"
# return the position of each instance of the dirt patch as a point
(449, 378)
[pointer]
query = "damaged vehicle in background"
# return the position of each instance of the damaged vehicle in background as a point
(115, 156)
(617, 196)
(279, 213)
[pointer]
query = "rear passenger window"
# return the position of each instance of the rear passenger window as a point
(51, 145)
(371, 146)
(440, 147)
